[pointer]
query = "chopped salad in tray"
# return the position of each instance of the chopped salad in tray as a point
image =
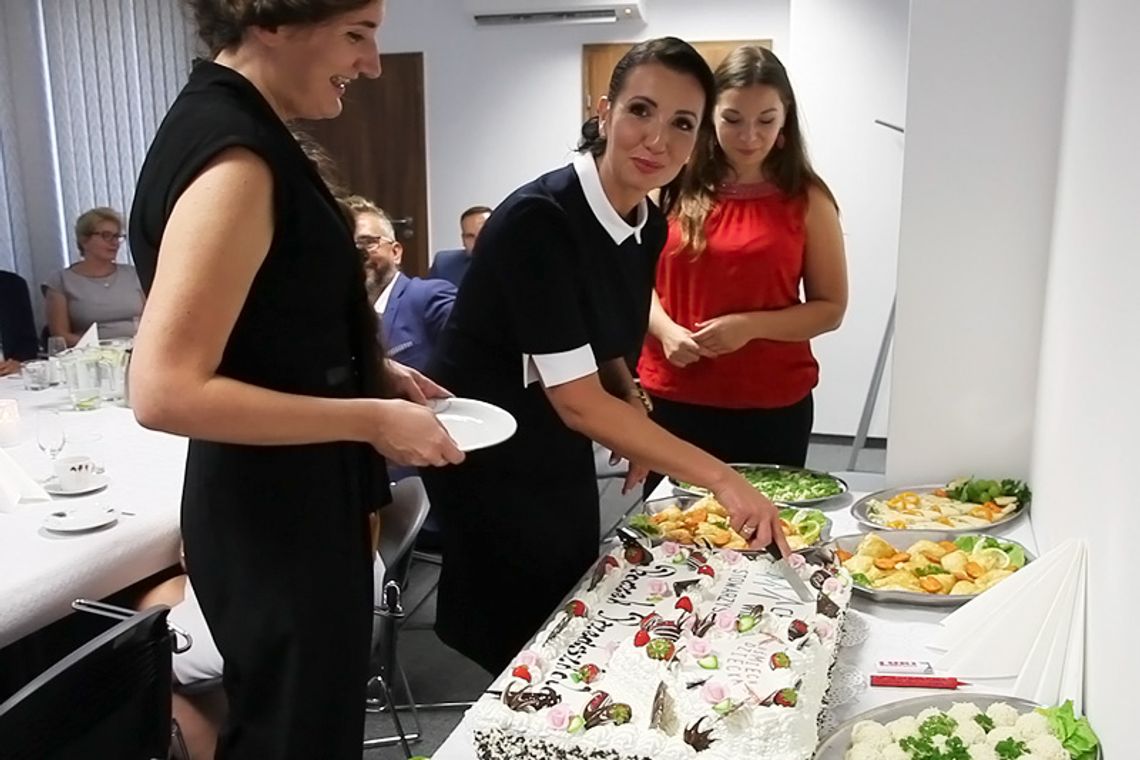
(788, 485)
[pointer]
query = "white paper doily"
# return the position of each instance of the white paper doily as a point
(855, 630)
(847, 684)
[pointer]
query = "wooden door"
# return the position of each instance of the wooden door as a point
(380, 149)
(598, 63)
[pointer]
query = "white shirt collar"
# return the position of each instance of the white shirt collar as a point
(607, 216)
(385, 294)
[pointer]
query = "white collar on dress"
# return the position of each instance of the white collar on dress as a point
(604, 212)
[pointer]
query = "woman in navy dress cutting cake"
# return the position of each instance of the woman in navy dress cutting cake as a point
(557, 296)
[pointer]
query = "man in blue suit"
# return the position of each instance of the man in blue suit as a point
(451, 265)
(412, 311)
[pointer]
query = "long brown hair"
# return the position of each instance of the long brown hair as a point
(787, 167)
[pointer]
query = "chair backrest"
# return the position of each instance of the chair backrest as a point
(400, 523)
(17, 323)
(109, 698)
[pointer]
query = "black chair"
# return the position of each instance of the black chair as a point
(401, 523)
(17, 324)
(109, 698)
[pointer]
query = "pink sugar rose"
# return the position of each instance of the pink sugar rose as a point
(832, 586)
(658, 587)
(559, 717)
(699, 648)
(528, 658)
(714, 693)
(731, 557)
(824, 629)
(725, 620)
(670, 548)
(796, 561)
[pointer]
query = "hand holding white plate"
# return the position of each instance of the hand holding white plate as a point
(474, 424)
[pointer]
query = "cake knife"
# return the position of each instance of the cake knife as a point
(789, 573)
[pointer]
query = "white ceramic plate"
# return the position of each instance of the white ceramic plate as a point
(474, 424)
(80, 519)
(98, 482)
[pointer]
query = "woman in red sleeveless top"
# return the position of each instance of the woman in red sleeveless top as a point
(728, 363)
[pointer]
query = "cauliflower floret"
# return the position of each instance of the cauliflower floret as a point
(1031, 725)
(894, 752)
(963, 711)
(1002, 714)
(983, 752)
(863, 752)
(903, 727)
(1000, 734)
(930, 712)
(969, 732)
(1047, 747)
(871, 734)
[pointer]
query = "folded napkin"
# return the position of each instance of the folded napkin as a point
(16, 486)
(89, 338)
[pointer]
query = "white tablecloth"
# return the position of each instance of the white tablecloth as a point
(896, 632)
(42, 572)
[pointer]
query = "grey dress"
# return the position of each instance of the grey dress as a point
(115, 302)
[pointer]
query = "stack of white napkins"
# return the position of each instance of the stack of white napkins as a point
(17, 488)
(1031, 627)
(89, 338)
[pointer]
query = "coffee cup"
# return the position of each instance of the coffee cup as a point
(75, 473)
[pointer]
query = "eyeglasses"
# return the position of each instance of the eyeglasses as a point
(370, 243)
(109, 237)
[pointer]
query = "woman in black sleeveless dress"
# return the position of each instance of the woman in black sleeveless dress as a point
(258, 344)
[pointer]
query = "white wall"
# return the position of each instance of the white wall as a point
(984, 98)
(503, 104)
(1086, 445)
(847, 60)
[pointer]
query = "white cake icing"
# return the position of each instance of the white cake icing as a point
(719, 674)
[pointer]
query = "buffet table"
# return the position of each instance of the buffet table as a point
(42, 572)
(894, 631)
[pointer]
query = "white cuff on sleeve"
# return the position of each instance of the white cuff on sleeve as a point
(559, 368)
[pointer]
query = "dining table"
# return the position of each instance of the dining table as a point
(44, 569)
(876, 631)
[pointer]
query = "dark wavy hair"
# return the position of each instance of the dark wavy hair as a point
(221, 23)
(674, 54)
(787, 167)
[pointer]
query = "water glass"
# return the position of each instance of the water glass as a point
(56, 344)
(81, 373)
(50, 436)
(36, 374)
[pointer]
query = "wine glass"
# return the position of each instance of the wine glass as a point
(50, 436)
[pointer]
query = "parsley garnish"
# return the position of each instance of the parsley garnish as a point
(1010, 749)
(985, 721)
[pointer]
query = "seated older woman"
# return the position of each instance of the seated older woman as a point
(96, 289)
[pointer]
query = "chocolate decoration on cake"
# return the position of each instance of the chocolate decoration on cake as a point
(526, 700)
(826, 606)
(600, 570)
(698, 739)
(664, 714)
(818, 577)
(634, 551)
(681, 587)
(702, 625)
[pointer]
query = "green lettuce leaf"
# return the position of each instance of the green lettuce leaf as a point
(1075, 734)
(643, 524)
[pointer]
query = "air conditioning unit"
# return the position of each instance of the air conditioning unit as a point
(509, 12)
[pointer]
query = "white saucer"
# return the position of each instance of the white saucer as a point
(474, 424)
(99, 481)
(80, 519)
